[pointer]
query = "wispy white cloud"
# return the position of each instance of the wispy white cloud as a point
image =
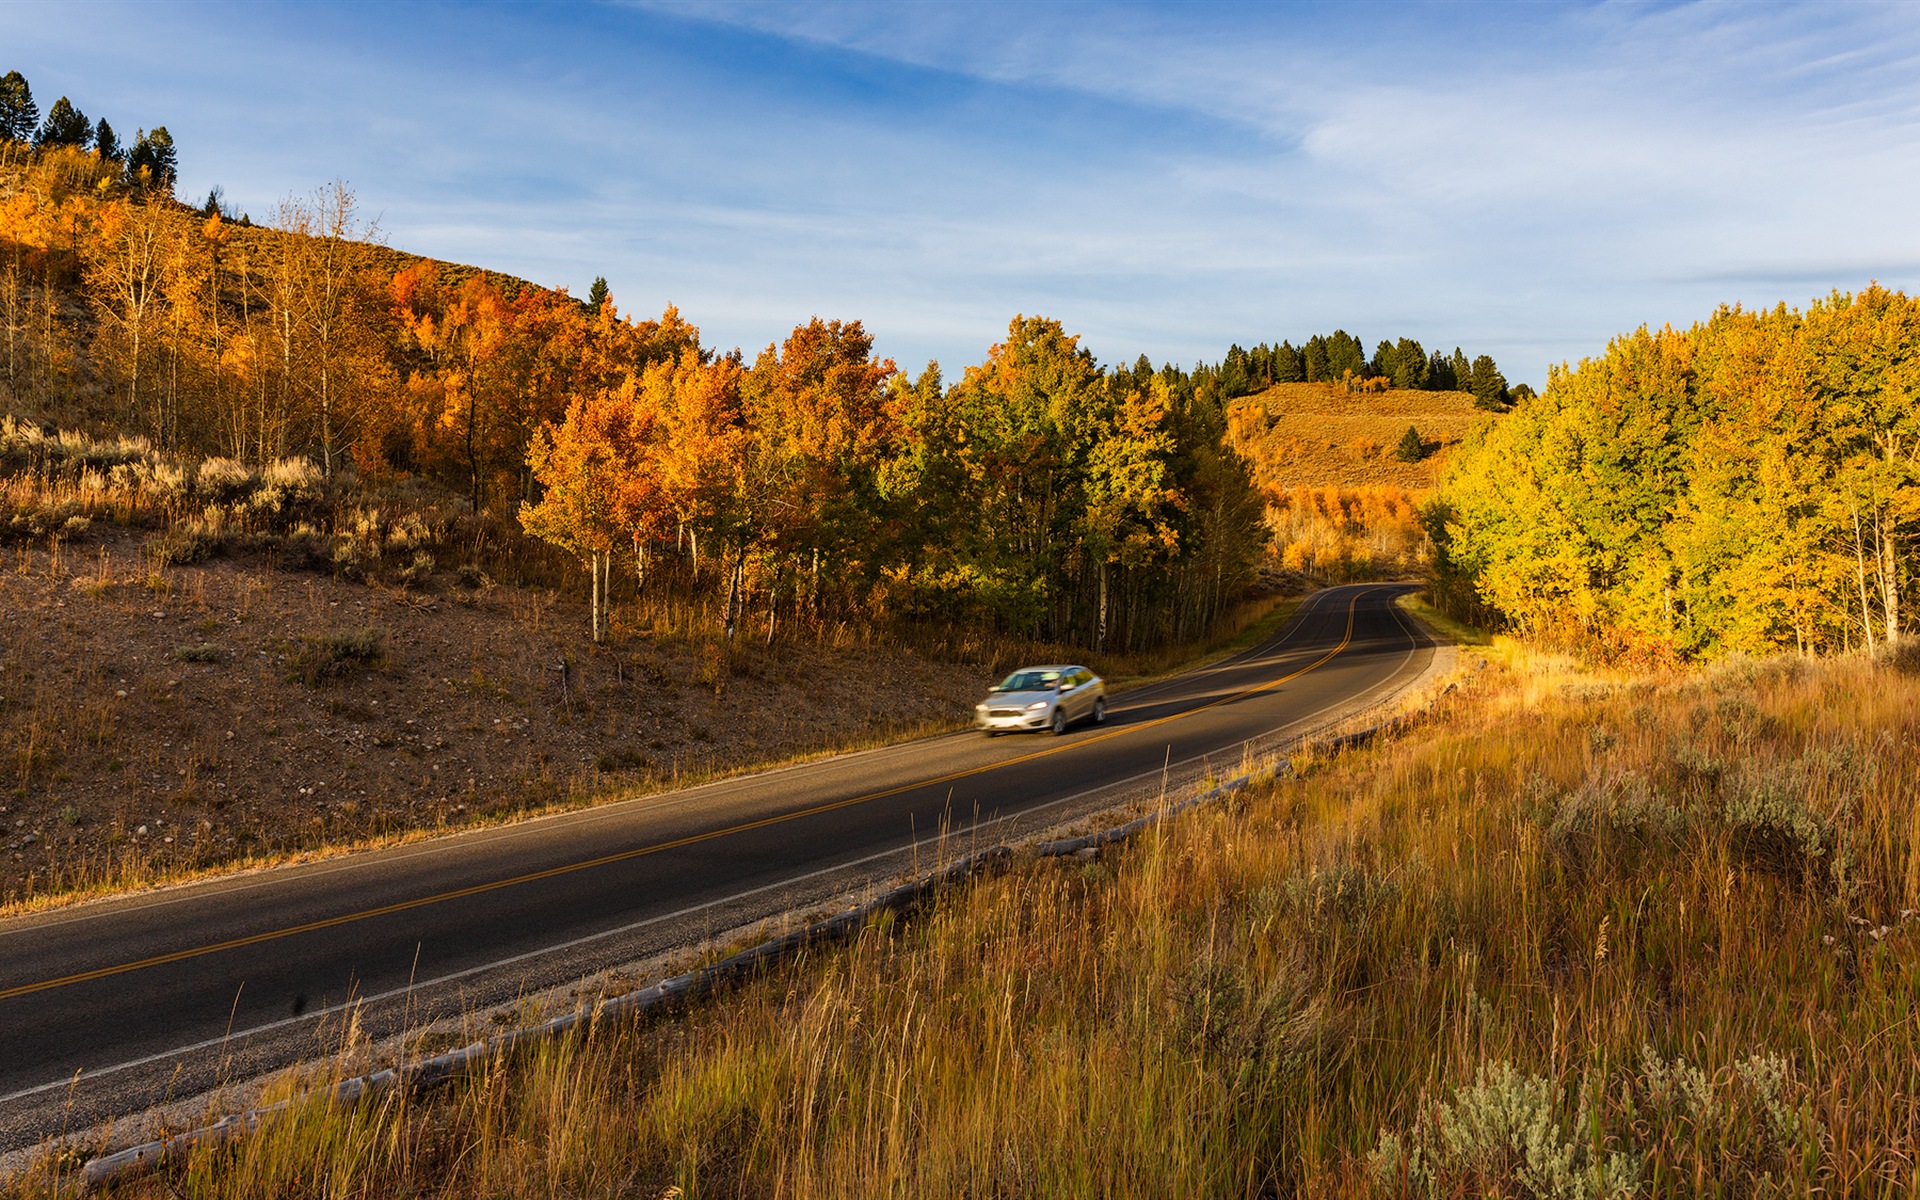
(1523, 179)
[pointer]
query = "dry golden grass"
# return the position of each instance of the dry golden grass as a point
(1320, 435)
(1580, 935)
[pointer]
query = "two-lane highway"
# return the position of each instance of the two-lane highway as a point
(107, 1007)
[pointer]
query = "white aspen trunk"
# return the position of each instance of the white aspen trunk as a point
(13, 325)
(1889, 577)
(733, 588)
(1860, 568)
(286, 382)
(1101, 640)
(593, 605)
(773, 603)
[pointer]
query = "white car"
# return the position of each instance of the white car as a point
(1042, 698)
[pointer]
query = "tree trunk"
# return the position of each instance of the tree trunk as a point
(1101, 640)
(1860, 568)
(473, 420)
(773, 601)
(1888, 568)
(733, 587)
(593, 568)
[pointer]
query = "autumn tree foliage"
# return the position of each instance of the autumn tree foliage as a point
(1749, 484)
(1041, 493)
(1345, 534)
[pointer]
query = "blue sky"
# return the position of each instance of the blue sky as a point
(1524, 180)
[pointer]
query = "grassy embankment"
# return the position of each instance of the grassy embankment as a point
(1318, 435)
(1579, 934)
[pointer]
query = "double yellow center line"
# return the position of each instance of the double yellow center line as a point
(254, 939)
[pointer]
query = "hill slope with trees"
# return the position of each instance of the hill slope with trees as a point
(1749, 484)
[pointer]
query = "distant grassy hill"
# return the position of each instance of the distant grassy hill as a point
(1320, 435)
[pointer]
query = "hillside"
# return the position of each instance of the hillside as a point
(155, 721)
(1318, 435)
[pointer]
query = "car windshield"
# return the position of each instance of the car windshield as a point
(1028, 681)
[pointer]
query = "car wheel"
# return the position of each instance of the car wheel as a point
(1059, 725)
(1100, 711)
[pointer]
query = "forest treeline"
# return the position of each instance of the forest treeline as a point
(1038, 494)
(149, 162)
(1342, 358)
(1749, 484)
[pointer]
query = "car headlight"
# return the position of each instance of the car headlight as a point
(1037, 705)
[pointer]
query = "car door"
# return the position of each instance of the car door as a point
(1082, 695)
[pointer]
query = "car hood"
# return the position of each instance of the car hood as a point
(1019, 699)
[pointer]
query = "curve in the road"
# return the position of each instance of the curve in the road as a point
(152, 981)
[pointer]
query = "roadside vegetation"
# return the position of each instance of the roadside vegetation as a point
(1750, 484)
(1577, 933)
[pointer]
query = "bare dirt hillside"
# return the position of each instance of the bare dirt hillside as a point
(154, 721)
(1321, 435)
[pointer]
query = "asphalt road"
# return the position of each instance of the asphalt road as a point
(110, 1007)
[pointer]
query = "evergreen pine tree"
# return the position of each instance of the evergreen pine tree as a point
(1385, 358)
(1488, 385)
(1287, 367)
(66, 126)
(1234, 379)
(19, 116)
(1440, 373)
(1345, 354)
(1410, 364)
(1411, 449)
(1313, 359)
(1461, 369)
(599, 293)
(1143, 371)
(106, 144)
(151, 162)
(1260, 366)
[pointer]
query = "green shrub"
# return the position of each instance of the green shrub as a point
(1771, 822)
(194, 540)
(323, 658)
(1616, 816)
(286, 489)
(223, 480)
(39, 520)
(1505, 1134)
(1902, 655)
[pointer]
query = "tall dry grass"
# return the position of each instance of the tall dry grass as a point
(1581, 935)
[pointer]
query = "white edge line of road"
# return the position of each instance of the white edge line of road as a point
(789, 881)
(247, 880)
